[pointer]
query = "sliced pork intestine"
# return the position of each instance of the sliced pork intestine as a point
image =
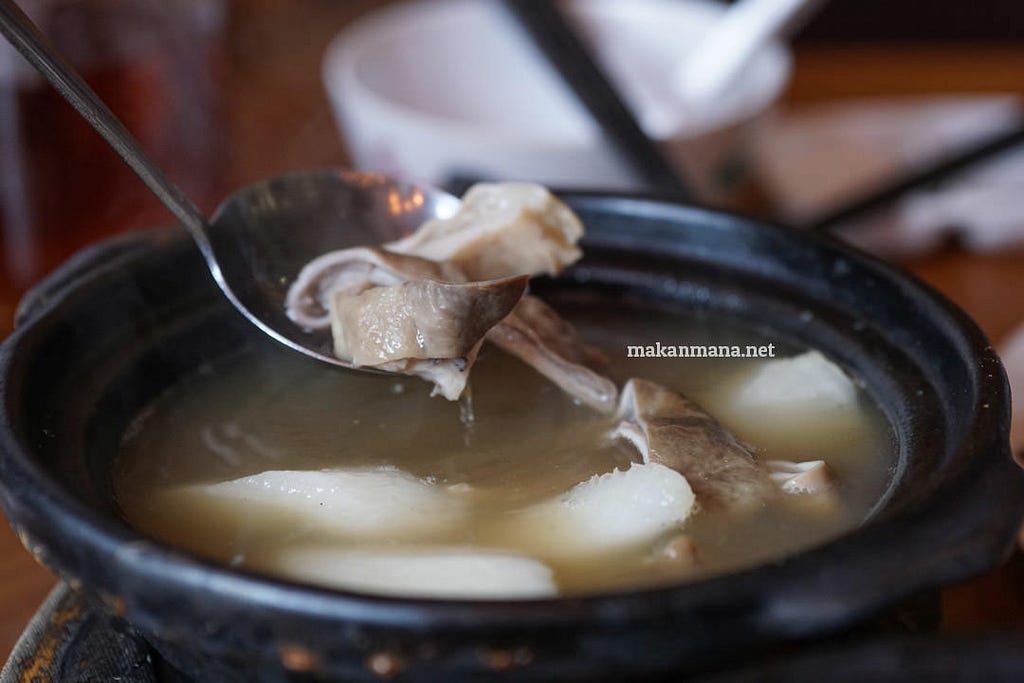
(538, 346)
(558, 334)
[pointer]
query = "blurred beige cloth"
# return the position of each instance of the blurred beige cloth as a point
(816, 158)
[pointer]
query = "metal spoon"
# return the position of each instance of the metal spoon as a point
(252, 248)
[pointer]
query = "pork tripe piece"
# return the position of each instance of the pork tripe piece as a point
(558, 334)
(352, 271)
(606, 513)
(400, 308)
(671, 430)
(437, 572)
(803, 384)
(421, 319)
(372, 503)
(429, 329)
(535, 334)
(500, 229)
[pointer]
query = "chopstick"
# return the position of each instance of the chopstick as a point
(935, 172)
(557, 40)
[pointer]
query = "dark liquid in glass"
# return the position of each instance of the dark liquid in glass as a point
(62, 187)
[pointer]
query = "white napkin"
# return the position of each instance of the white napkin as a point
(819, 157)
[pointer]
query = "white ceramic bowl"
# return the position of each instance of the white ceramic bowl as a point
(429, 90)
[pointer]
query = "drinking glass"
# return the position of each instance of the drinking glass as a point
(157, 64)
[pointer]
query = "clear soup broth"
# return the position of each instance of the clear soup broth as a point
(269, 409)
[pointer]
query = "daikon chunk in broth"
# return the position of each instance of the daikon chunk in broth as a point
(520, 443)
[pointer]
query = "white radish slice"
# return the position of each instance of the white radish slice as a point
(617, 510)
(789, 407)
(374, 503)
(808, 382)
(435, 573)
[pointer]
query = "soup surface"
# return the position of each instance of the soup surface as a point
(523, 441)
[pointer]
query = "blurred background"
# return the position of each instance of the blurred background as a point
(226, 92)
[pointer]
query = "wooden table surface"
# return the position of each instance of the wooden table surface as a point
(291, 37)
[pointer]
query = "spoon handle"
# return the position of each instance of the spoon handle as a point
(30, 42)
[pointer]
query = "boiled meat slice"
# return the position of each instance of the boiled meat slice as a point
(421, 319)
(466, 573)
(501, 229)
(425, 328)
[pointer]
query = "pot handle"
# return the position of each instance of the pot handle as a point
(67, 275)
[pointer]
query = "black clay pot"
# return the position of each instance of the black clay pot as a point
(124, 320)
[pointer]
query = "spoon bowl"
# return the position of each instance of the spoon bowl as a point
(257, 248)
